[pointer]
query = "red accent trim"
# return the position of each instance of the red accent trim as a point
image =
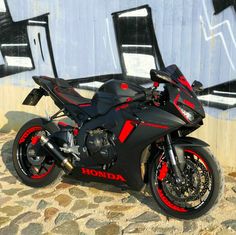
(35, 140)
(184, 82)
(85, 105)
(123, 106)
(124, 86)
(153, 125)
(126, 130)
(62, 124)
(65, 98)
(156, 84)
(76, 132)
(189, 104)
(176, 105)
(43, 175)
(176, 100)
(197, 155)
(163, 171)
(129, 99)
(28, 132)
(168, 203)
(186, 92)
(130, 125)
(102, 174)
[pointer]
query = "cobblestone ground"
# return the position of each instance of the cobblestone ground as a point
(72, 207)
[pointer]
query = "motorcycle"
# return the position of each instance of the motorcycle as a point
(125, 135)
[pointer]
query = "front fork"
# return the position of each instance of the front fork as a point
(171, 156)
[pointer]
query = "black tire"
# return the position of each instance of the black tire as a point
(20, 159)
(170, 202)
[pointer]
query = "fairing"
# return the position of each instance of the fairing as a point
(182, 92)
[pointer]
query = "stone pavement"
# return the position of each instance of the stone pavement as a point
(73, 207)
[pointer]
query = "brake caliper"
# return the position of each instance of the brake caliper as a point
(35, 140)
(163, 171)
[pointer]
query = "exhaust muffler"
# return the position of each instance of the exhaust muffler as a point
(55, 151)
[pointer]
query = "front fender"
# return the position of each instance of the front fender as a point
(189, 141)
(181, 143)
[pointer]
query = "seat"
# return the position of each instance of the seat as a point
(65, 92)
(69, 95)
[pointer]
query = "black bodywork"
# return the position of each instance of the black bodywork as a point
(114, 105)
(220, 5)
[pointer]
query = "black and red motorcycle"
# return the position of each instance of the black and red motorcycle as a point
(126, 135)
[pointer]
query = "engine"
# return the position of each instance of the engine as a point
(101, 146)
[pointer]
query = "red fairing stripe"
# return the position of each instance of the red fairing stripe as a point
(84, 105)
(189, 104)
(153, 125)
(176, 105)
(176, 100)
(28, 132)
(62, 124)
(56, 89)
(169, 203)
(123, 106)
(184, 82)
(197, 155)
(43, 175)
(130, 125)
(129, 99)
(126, 130)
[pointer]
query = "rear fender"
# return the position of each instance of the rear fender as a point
(34, 96)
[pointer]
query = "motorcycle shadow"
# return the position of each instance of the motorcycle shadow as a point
(6, 155)
(16, 119)
(127, 195)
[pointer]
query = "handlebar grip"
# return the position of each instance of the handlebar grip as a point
(148, 92)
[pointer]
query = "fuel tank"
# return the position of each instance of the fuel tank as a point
(114, 92)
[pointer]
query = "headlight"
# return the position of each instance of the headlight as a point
(188, 113)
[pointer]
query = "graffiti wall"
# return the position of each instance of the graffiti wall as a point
(76, 39)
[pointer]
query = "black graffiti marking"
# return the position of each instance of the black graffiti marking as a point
(135, 35)
(40, 44)
(15, 45)
(221, 5)
(221, 96)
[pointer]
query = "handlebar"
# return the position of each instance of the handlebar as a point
(144, 95)
(140, 96)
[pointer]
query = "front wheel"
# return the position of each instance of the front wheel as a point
(201, 190)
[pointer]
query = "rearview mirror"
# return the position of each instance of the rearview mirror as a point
(197, 86)
(160, 76)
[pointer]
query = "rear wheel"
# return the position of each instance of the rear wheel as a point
(201, 190)
(34, 166)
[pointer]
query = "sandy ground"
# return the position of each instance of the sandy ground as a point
(74, 207)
